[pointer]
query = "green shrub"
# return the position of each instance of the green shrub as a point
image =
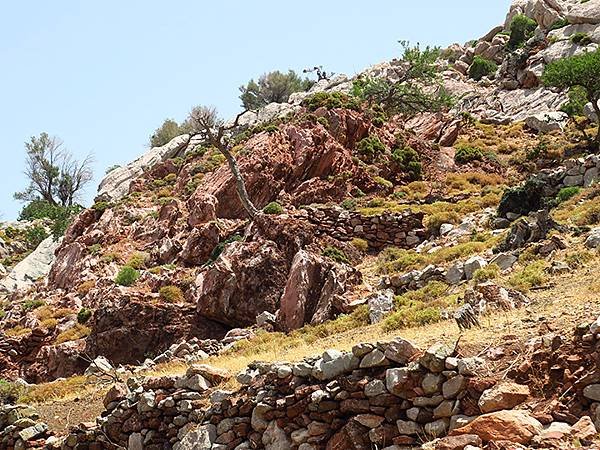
(521, 29)
(100, 206)
(386, 184)
(30, 305)
(558, 24)
(127, 276)
(34, 236)
(170, 178)
(111, 168)
(466, 154)
(522, 199)
(349, 204)
(489, 272)
(61, 216)
(94, 249)
(171, 294)
(482, 67)
(9, 392)
(580, 38)
(360, 244)
(336, 254)
(84, 315)
(370, 147)
(409, 162)
(330, 100)
(577, 101)
(567, 192)
(273, 208)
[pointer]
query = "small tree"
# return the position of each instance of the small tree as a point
(521, 29)
(54, 175)
(206, 122)
(416, 89)
(583, 72)
(272, 87)
(168, 130)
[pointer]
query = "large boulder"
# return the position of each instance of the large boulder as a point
(503, 396)
(586, 12)
(548, 121)
(312, 293)
(34, 267)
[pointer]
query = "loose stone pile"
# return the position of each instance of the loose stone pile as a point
(404, 229)
(20, 428)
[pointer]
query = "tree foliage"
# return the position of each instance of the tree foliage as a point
(168, 130)
(54, 175)
(416, 87)
(521, 29)
(582, 72)
(481, 67)
(272, 87)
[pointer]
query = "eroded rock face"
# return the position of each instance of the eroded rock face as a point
(34, 267)
(131, 330)
(311, 289)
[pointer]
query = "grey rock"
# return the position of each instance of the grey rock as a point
(408, 427)
(548, 121)
(504, 260)
(472, 265)
(593, 239)
(592, 391)
(454, 386)
(374, 359)
(380, 305)
(197, 438)
(374, 388)
(438, 428)
(435, 356)
(455, 273)
(401, 351)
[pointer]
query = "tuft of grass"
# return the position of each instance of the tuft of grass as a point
(530, 276)
(138, 260)
(77, 331)
(30, 305)
(171, 294)
(487, 273)
(273, 208)
(17, 331)
(85, 287)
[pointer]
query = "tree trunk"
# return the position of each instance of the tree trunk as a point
(240, 184)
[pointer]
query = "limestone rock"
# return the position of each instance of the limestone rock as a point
(547, 122)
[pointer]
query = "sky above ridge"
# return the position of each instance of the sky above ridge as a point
(103, 75)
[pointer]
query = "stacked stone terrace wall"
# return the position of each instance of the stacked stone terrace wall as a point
(404, 229)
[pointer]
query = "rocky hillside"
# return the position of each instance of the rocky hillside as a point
(370, 222)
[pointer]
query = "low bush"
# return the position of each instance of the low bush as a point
(138, 260)
(9, 392)
(331, 100)
(84, 315)
(349, 204)
(34, 236)
(370, 147)
(386, 184)
(127, 276)
(171, 294)
(273, 208)
(580, 38)
(85, 287)
(566, 193)
(49, 324)
(408, 161)
(30, 305)
(482, 67)
(466, 154)
(336, 254)
(221, 246)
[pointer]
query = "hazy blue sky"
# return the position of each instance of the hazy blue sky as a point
(102, 75)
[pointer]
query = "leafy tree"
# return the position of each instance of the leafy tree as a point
(54, 175)
(272, 87)
(168, 130)
(61, 216)
(581, 71)
(416, 88)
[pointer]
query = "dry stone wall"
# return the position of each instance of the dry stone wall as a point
(404, 229)
(376, 395)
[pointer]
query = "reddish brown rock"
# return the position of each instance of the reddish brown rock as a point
(509, 425)
(458, 442)
(352, 436)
